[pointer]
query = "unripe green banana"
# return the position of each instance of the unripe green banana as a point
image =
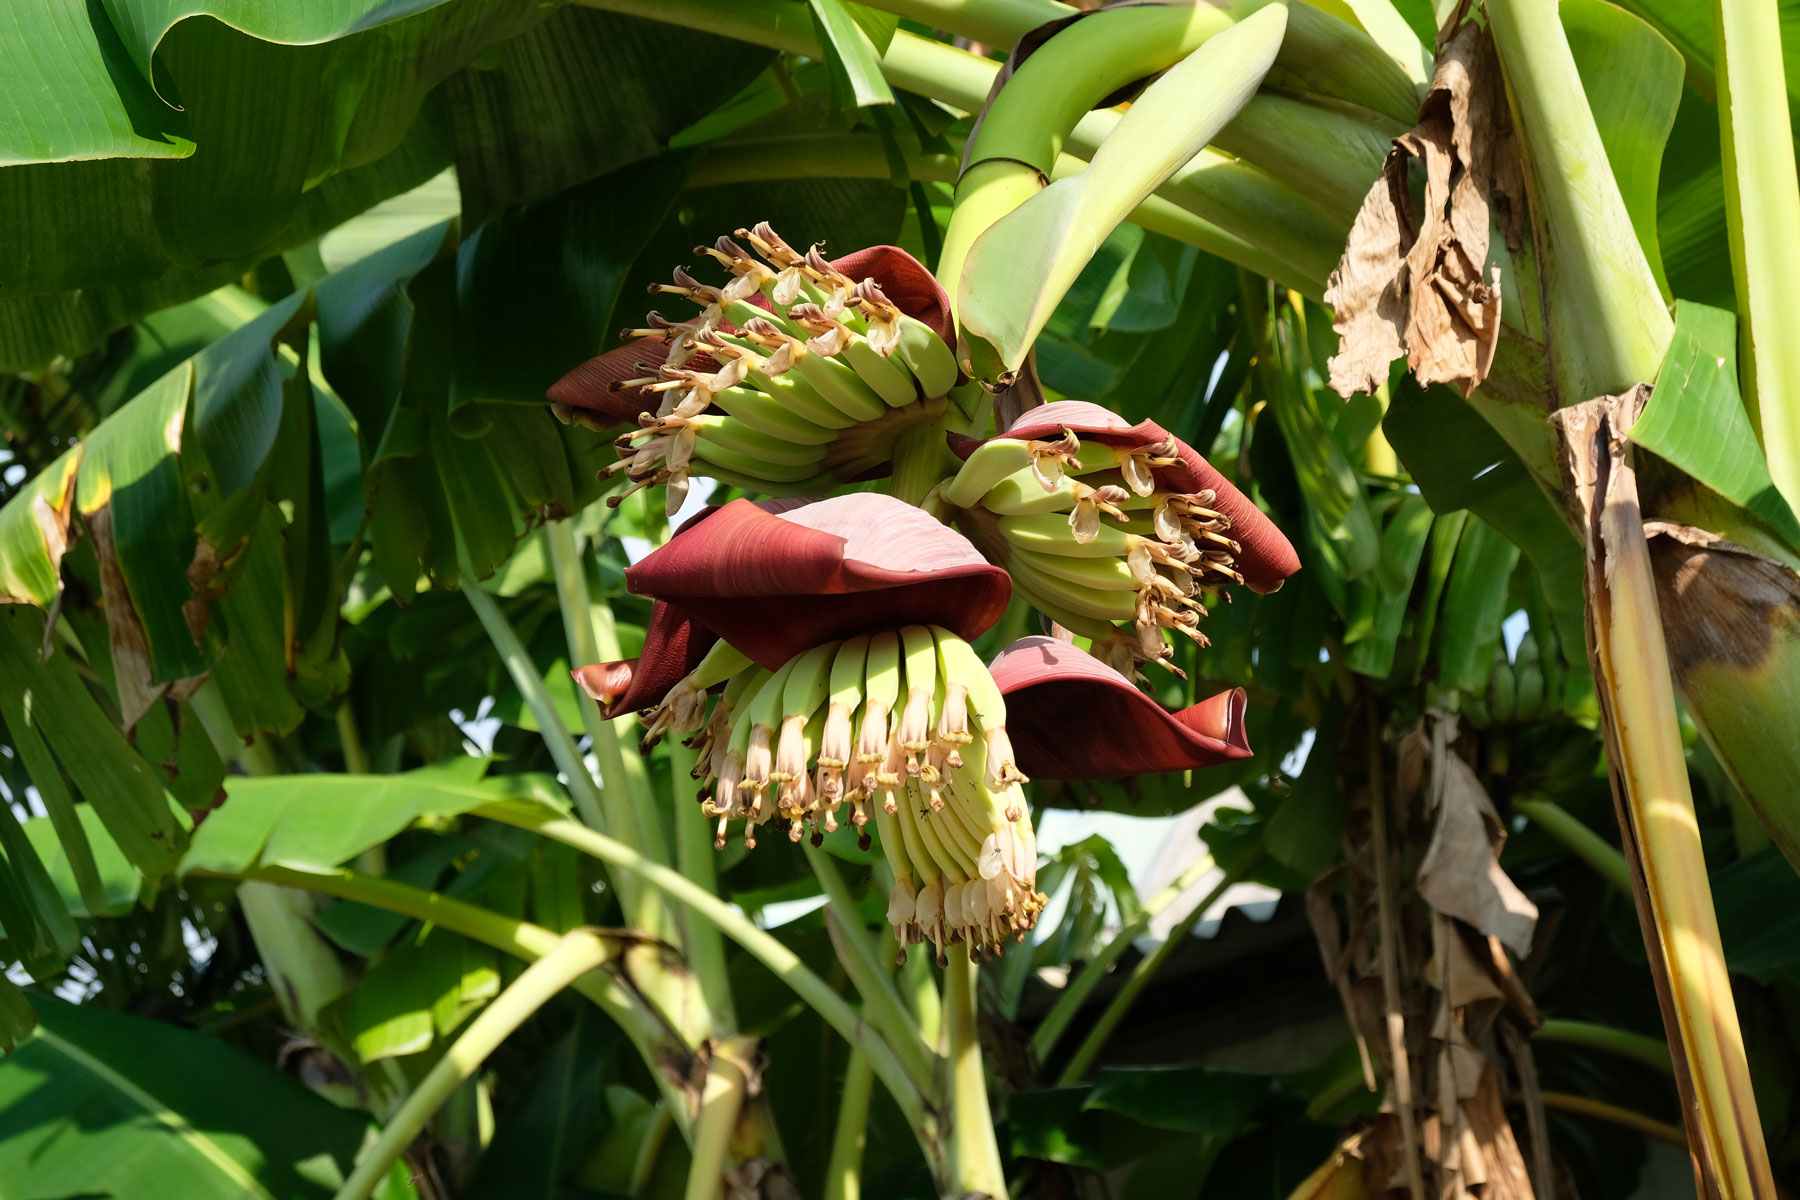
(930, 359)
(920, 653)
(754, 471)
(992, 461)
(718, 432)
(1021, 495)
(841, 387)
(1528, 679)
(1048, 533)
(881, 673)
(886, 377)
(1097, 574)
(1061, 595)
(1475, 708)
(808, 683)
(959, 661)
(721, 663)
(763, 412)
(1502, 693)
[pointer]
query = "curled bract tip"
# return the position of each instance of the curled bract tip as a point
(1073, 717)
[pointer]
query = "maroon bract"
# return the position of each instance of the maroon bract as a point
(774, 583)
(1073, 717)
(673, 646)
(1265, 557)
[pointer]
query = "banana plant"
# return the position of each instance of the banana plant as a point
(813, 647)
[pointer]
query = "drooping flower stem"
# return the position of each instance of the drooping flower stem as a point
(1222, 205)
(974, 1154)
(578, 952)
(629, 809)
(1652, 1052)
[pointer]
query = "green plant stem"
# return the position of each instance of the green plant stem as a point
(974, 1154)
(1321, 54)
(1095, 1041)
(1762, 212)
(1212, 188)
(882, 1006)
(1024, 126)
(1579, 840)
(694, 857)
(576, 953)
(924, 999)
(1614, 1115)
(721, 1103)
(356, 758)
(843, 1174)
(921, 462)
(1608, 327)
(623, 810)
(1213, 203)
(537, 697)
(1056, 1021)
(1651, 1051)
(782, 962)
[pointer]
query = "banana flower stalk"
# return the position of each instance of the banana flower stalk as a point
(818, 657)
(1102, 522)
(797, 374)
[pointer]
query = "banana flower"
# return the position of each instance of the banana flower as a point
(798, 373)
(1100, 521)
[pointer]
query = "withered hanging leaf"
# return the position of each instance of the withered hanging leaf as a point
(1460, 875)
(132, 666)
(1411, 283)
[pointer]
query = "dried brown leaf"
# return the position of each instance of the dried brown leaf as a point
(132, 666)
(1412, 283)
(1460, 875)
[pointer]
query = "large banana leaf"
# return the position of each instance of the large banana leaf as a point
(100, 1104)
(322, 821)
(294, 139)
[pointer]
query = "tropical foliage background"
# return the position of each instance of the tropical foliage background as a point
(299, 561)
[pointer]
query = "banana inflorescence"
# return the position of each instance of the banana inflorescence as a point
(908, 729)
(1091, 541)
(793, 378)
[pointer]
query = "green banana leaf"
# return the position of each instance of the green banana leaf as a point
(98, 1103)
(1695, 418)
(321, 821)
(524, 98)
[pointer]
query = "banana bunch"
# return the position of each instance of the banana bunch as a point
(907, 728)
(786, 397)
(1092, 543)
(1527, 688)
